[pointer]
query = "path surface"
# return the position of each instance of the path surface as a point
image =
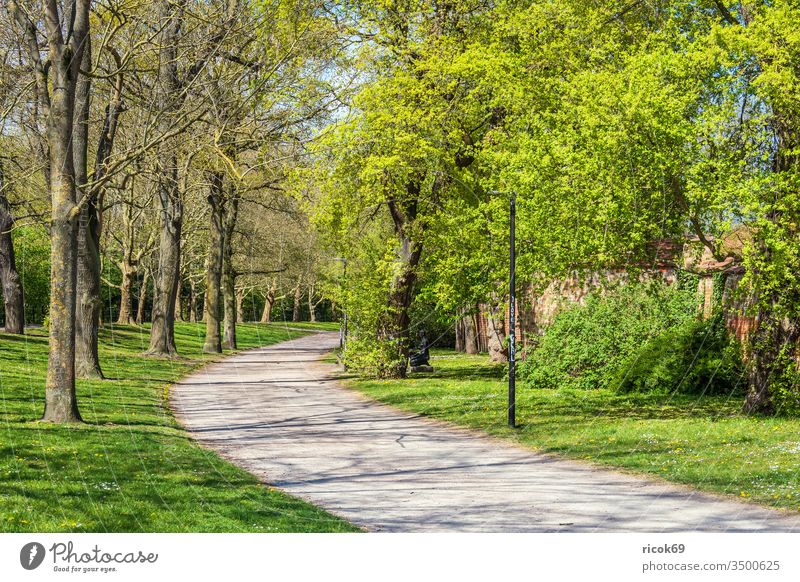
(278, 412)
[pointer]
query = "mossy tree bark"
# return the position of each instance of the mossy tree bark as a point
(162, 332)
(773, 348)
(229, 272)
(89, 301)
(13, 296)
(166, 277)
(396, 330)
(213, 343)
(56, 97)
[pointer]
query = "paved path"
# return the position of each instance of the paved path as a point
(278, 412)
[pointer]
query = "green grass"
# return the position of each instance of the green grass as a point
(702, 442)
(319, 325)
(130, 468)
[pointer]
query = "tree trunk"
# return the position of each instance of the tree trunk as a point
(396, 329)
(192, 301)
(61, 404)
(298, 295)
(89, 302)
(142, 297)
(773, 348)
(240, 295)
(165, 287)
(269, 301)
(13, 296)
(213, 343)
(125, 316)
(229, 273)
(495, 330)
(312, 309)
(399, 302)
(179, 301)
(162, 332)
(467, 334)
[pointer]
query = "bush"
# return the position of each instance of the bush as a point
(785, 384)
(590, 345)
(695, 357)
(370, 351)
(32, 249)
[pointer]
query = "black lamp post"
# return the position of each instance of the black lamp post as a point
(512, 323)
(512, 307)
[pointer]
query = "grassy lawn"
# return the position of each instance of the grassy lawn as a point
(703, 442)
(318, 326)
(130, 468)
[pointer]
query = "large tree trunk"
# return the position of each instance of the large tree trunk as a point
(773, 348)
(396, 329)
(229, 273)
(61, 404)
(13, 296)
(774, 343)
(162, 332)
(400, 300)
(142, 297)
(89, 303)
(213, 343)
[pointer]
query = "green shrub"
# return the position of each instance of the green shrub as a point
(32, 249)
(586, 344)
(785, 385)
(694, 357)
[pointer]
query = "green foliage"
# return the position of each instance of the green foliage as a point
(371, 351)
(785, 385)
(586, 344)
(32, 249)
(693, 357)
(615, 127)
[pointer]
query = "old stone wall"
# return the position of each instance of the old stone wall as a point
(537, 309)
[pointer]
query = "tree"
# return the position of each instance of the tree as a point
(213, 343)
(406, 153)
(56, 81)
(13, 296)
(170, 93)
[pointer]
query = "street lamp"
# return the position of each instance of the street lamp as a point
(343, 327)
(512, 339)
(512, 307)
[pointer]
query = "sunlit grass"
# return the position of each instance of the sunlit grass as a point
(318, 326)
(131, 467)
(704, 442)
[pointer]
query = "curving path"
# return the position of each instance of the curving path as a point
(279, 413)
